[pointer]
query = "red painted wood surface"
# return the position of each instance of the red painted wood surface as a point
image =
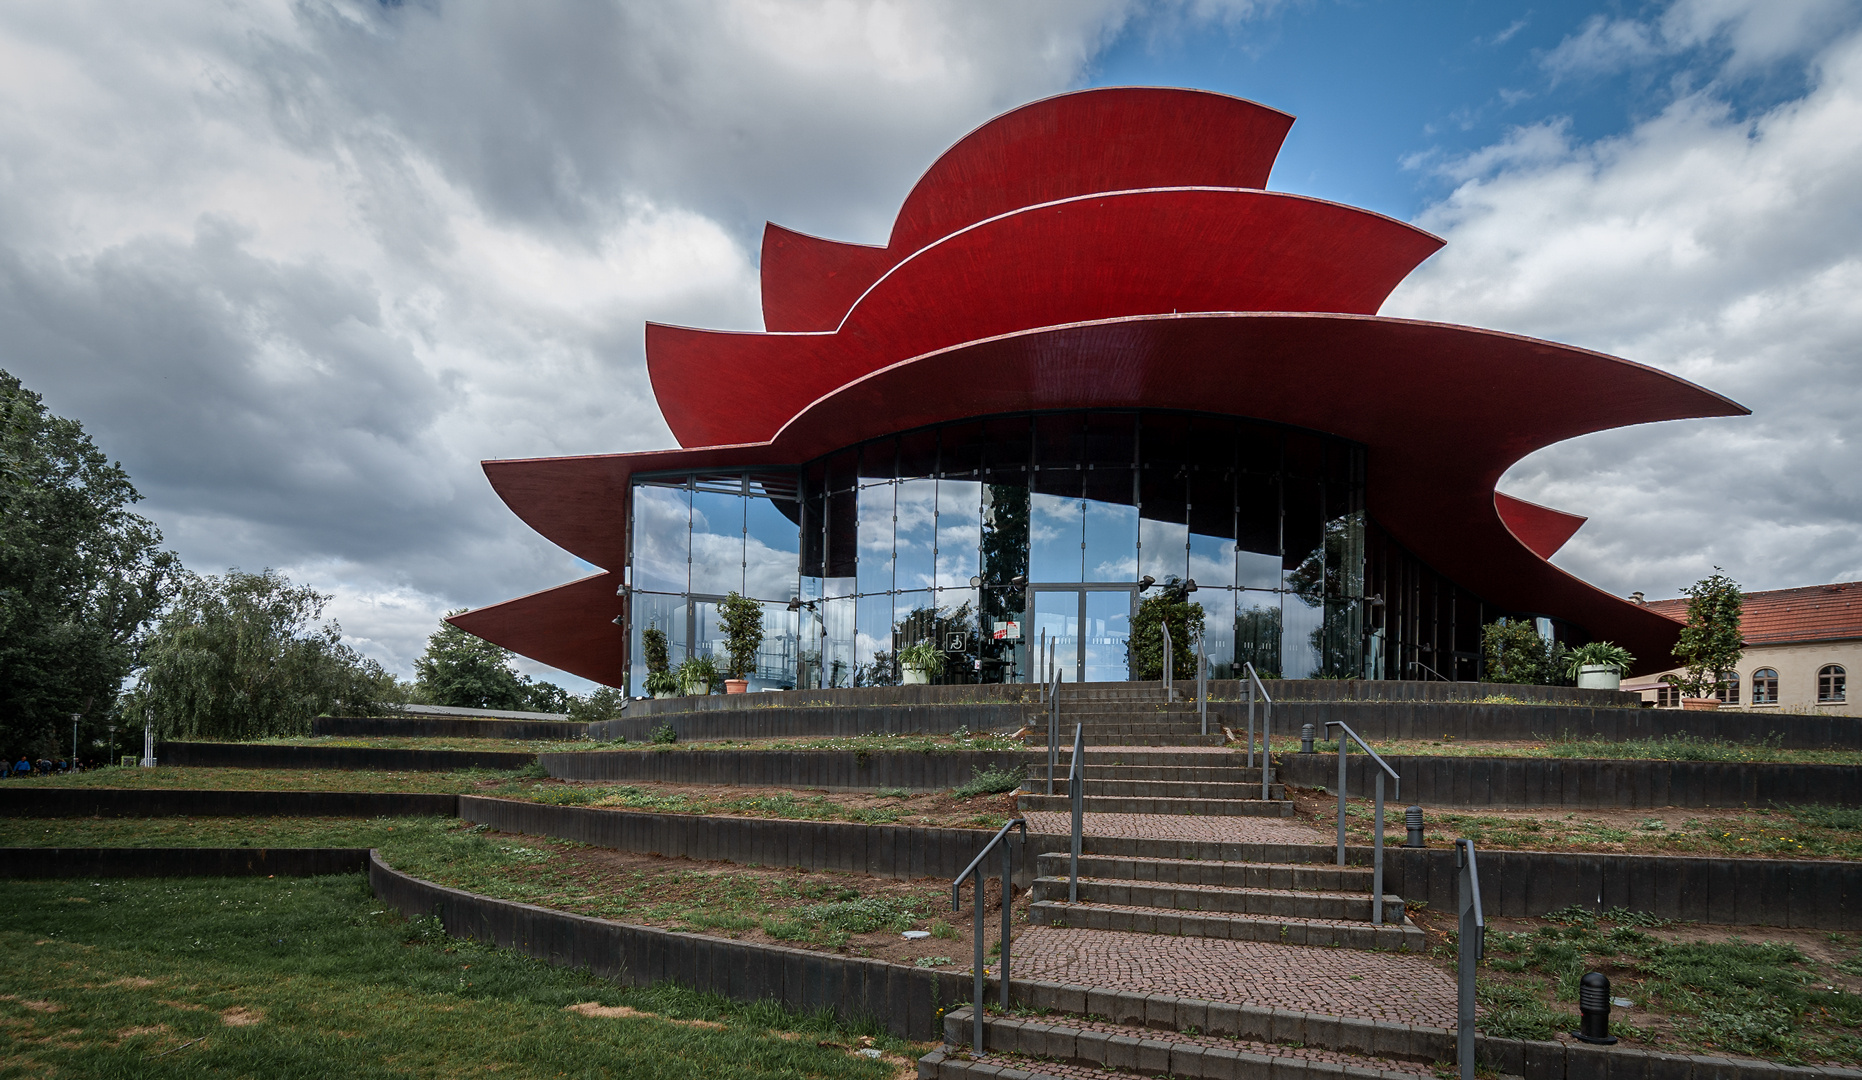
(1541, 528)
(570, 627)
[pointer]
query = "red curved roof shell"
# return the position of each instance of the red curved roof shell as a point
(1180, 295)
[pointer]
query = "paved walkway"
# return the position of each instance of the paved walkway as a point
(1392, 987)
(1237, 830)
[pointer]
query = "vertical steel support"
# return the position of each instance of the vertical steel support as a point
(1053, 732)
(1202, 684)
(1342, 740)
(1248, 670)
(1467, 955)
(1377, 855)
(1267, 734)
(1169, 688)
(1076, 790)
(1035, 662)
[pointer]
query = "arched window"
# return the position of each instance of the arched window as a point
(1830, 684)
(1728, 691)
(1765, 686)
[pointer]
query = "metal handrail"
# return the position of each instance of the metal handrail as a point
(1053, 729)
(1471, 942)
(1377, 827)
(1252, 684)
(1430, 670)
(975, 869)
(1076, 796)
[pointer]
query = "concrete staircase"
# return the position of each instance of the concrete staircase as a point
(1130, 714)
(1127, 780)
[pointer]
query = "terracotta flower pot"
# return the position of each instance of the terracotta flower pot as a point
(1701, 704)
(736, 686)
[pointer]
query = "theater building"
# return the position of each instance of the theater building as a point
(1095, 356)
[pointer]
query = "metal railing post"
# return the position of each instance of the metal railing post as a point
(1040, 656)
(1008, 893)
(1053, 732)
(1471, 941)
(976, 999)
(1346, 736)
(1342, 743)
(1076, 791)
(1249, 686)
(1267, 739)
(1377, 858)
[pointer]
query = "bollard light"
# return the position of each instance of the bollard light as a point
(1412, 820)
(1306, 738)
(1594, 1009)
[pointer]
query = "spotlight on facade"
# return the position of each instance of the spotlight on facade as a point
(1146, 582)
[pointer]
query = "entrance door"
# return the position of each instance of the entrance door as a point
(1087, 626)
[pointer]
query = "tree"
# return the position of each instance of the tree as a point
(741, 619)
(1144, 650)
(1711, 644)
(466, 671)
(249, 655)
(80, 575)
(1515, 653)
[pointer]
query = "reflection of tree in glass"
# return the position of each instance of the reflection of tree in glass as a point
(1332, 576)
(1005, 558)
(1257, 639)
(1144, 649)
(938, 625)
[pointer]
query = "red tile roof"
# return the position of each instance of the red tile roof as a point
(1787, 616)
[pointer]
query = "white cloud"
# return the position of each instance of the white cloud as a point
(302, 265)
(1727, 251)
(1751, 34)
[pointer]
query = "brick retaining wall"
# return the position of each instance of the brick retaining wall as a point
(833, 770)
(402, 759)
(27, 799)
(448, 727)
(59, 862)
(700, 724)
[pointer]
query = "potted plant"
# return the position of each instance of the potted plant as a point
(1710, 643)
(662, 684)
(696, 675)
(920, 663)
(1599, 665)
(741, 619)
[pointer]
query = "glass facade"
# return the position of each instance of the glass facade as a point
(983, 535)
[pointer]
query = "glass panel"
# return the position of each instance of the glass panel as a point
(875, 568)
(915, 537)
(776, 659)
(959, 532)
(717, 542)
(1056, 613)
(1257, 632)
(839, 650)
(1218, 630)
(1212, 528)
(1111, 530)
(914, 619)
(843, 541)
(1301, 636)
(1341, 641)
(1054, 537)
(772, 550)
(964, 642)
(655, 611)
(662, 538)
(873, 663)
(707, 633)
(1107, 632)
(1162, 552)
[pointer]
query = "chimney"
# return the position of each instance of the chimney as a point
(1635, 597)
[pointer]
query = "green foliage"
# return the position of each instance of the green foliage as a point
(1516, 653)
(1514, 1012)
(989, 781)
(661, 682)
(247, 655)
(601, 703)
(1598, 654)
(1710, 645)
(547, 697)
(81, 576)
(924, 655)
(741, 619)
(664, 735)
(697, 674)
(653, 646)
(465, 671)
(1144, 650)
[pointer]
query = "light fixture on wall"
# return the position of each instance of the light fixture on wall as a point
(1146, 582)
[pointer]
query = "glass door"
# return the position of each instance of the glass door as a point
(1087, 628)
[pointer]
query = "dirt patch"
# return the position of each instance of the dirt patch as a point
(133, 982)
(35, 1006)
(152, 1029)
(597, 1010)
(240, 1016)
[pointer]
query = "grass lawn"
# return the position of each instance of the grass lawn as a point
(1681, 747)
(312, 978)
(1791, 832)
(467, 781)
(1695, 989)
(920, 744)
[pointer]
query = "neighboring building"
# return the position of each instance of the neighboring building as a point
(1095, 354)
(1802, 646)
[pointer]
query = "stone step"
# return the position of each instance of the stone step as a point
(1183, 774)
(1216, 757)
(1161, 789)
(1139, 739)
(1232, 927)
(1112, 804)
(1241, 875)
(1029, 1046)
(1222, 900)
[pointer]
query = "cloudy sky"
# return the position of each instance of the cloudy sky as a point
(300, 266)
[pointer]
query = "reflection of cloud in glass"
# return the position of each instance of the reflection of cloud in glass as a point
(717, 562)
(661, 532)
(1117, 569)
(770, 573)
